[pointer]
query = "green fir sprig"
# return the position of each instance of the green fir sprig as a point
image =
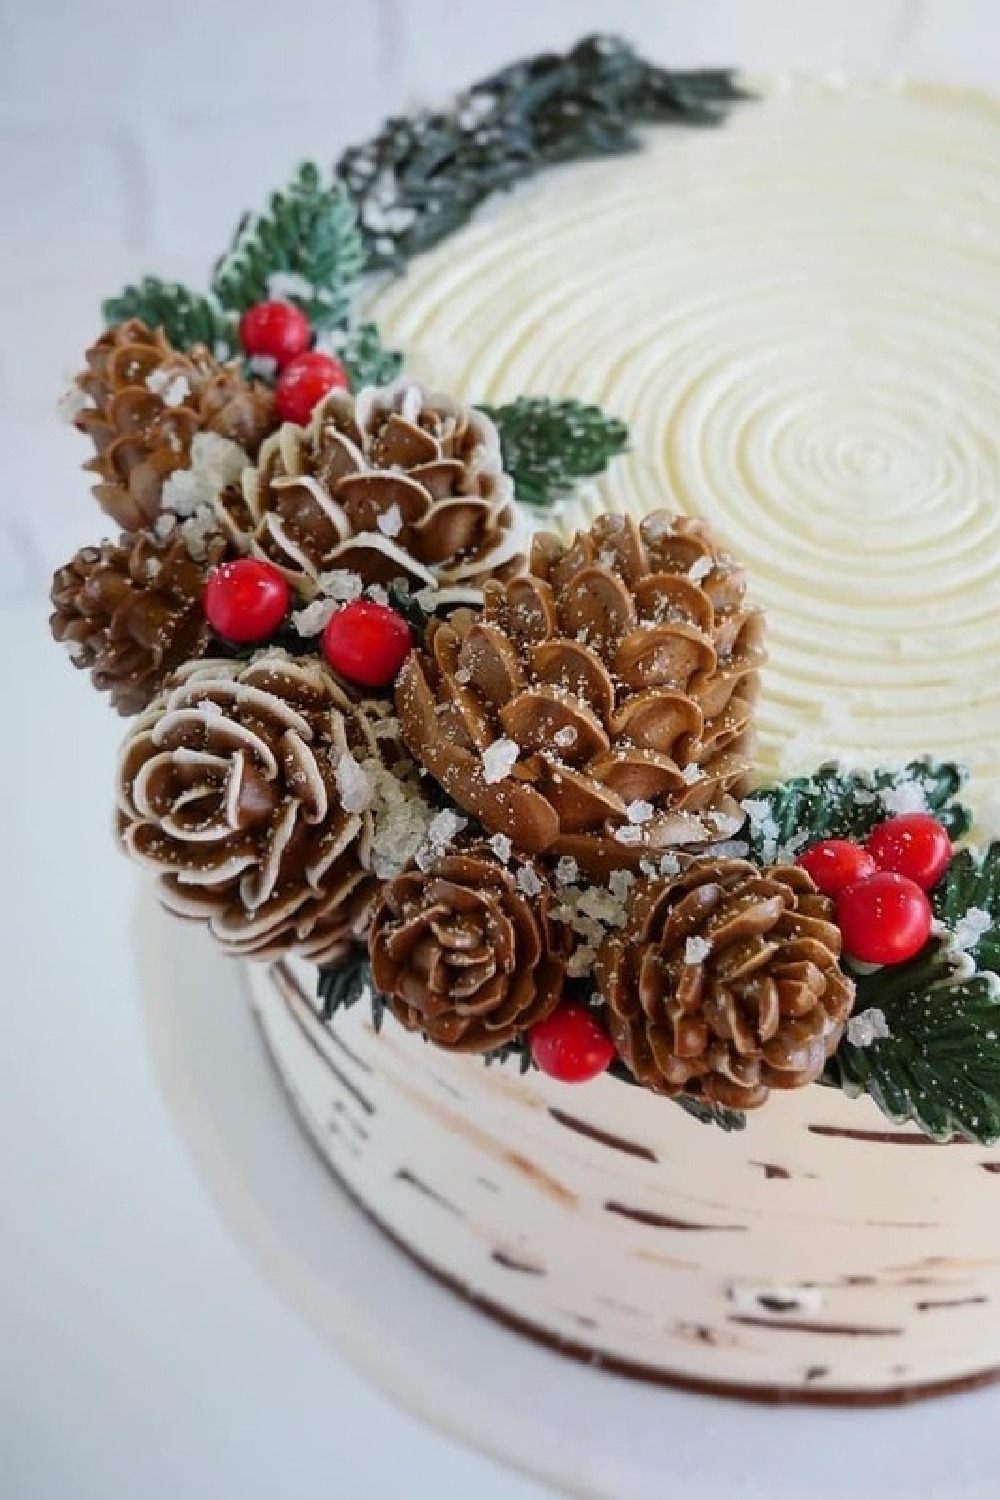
(834, 803)
(548, 446)
(186, 317)
(347, 983)
(308, 236)
(424, 175)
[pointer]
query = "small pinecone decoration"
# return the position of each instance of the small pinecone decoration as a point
(600, 705)
(465, 955)
(395, 484)
(148, 402)
(232, 788)
(726, 983)
(131, 613)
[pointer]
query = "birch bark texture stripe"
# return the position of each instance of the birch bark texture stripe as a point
(812, 1257)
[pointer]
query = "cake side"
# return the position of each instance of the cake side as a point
(822, 1253)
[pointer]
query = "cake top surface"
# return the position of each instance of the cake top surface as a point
(736, 374)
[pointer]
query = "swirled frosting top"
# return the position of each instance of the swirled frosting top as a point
(799, 316)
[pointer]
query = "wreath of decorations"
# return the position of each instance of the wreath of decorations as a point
(500, 786)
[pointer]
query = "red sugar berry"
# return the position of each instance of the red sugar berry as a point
(275, 330)
(245, 600)
(304, 382)
(834, 863)
(885, 919)
(367, 643)
(914, 844)
(571, 1045)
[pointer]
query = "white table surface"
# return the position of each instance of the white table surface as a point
(143, 1357)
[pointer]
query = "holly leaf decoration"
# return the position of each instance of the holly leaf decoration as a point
(712, 1114)
(424, 175)
(186, 317)
(305, 248)
(548, 445)
(939, 1067)
(342, 985)
(364, 356)
(834, 803)
(968, 897)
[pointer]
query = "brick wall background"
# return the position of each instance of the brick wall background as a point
(133, 134)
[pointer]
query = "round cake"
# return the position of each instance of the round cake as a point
(595, 766)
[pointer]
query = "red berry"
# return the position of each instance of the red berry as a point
(304, 382)
(885, 919)
(367, 643)
(571, 1045)
(834, 863)
(245, 600)
(276, 330)
(913, 844)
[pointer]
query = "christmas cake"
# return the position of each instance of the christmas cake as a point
(595, 766)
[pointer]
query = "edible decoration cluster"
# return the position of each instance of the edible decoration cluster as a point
(498, 785)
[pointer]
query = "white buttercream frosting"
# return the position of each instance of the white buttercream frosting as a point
(799, 316)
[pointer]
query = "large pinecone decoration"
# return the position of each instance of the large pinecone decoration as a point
(465, 955)
(726, 983)
(148, 402)
(228, 789)
(600, 705)
(395, 484)
(131, 613)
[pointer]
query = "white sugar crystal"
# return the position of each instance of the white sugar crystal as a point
(215, 463)
(315, 617)
(501, 846)
(72, 403)
(499, 760)
(565, 737)
(412, 403)
(198, 530)
(600, 906)
(670, 865)
(75, 650)
(639, 811)
(692, 773)
(342, 585)
(629, 833)
(184, 492)
(463, 676)
(970, 927)
(283, 285)
(729, 849)
(696, 950)
(699, 569)
(528, 881)
(377, 594)
(724, 823)
(620, 883)
(401, 819)
(262, 365)
(390, 523)
(567, 870)
(172, 387)
(649, 868)
(907, 797)
(868, 1026)
(581, 961)
(445, 827)
(354, 784)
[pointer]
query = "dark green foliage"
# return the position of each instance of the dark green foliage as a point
(309, 231)
(548, 445)
(712, 1114)
(973, 883)
(833, 803)
(186, 317)
(343, 985)
(364, 357)
(423, 175)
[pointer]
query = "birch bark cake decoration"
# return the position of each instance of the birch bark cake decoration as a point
(551, 573)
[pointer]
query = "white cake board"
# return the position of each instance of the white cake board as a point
(584, 1432)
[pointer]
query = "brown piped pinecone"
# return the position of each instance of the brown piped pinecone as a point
(726, 983)
(143, 434)
(395, 484)
(228, 791)
(623, 668)
(466, 956)
(131, 613)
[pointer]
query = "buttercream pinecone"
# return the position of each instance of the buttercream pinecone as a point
(465, 955)
(395, 484)
(148, 403)
(726, 983)
(131, 613)
(600, 705)
(232, 789)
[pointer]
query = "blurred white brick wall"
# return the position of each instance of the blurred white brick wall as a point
(133, 134)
